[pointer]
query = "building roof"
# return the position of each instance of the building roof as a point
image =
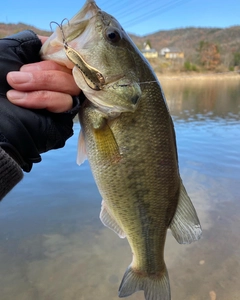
(148, 50)
(171, 49)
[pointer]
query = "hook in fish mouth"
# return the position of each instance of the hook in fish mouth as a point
(93, 77)
(60, 26)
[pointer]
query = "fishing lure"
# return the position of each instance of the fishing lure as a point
(93, 77)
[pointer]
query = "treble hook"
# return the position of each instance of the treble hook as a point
(93, 77)
(61, 28)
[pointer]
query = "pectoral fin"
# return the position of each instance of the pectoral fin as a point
(185, 225)
(109, 221)
(106, 143)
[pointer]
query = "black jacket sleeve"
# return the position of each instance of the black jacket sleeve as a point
(10, 173)
(25, 133)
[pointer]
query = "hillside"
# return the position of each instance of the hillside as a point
(8, 29)
(188, 39)
(227, 41)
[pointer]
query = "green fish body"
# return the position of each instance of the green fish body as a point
(128, 137)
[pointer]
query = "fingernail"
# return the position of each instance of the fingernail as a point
(15, 95)
(30, 67)
(20, 77)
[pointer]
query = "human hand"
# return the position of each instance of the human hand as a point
(43, 85)
(26, 133)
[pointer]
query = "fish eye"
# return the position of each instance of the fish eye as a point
(113, 35)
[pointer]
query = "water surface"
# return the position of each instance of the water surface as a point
(54, 247)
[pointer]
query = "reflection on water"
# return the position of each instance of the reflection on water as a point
(53, 245)
(203, 100)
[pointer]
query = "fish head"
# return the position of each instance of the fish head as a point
(102, 57)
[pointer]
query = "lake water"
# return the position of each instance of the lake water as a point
(54, 247)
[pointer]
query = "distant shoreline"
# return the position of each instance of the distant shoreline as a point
(198, 76)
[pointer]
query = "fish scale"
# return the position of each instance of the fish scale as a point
(147, 174)
(128, 136)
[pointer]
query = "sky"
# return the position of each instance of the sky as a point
(140, 17)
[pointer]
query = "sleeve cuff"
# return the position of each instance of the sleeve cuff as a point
(77, 102)
(10, 173)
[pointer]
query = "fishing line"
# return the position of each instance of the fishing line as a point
(132, 7)
(122, 4)
(155, 12)
(114, 85)
(144, 82)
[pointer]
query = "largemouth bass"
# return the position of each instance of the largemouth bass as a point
(129, 138)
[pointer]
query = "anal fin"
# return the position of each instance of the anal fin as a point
(109, 221)
(185, 225)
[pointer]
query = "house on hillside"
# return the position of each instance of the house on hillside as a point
(149, 52)
(171, 53)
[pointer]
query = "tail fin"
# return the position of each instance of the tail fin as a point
(155, 288)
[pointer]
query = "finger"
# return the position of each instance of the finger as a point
(53, 101)
(42, 38)
(46, 65)
(49, 80)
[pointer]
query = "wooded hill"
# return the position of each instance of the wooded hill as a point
(192, 41)
(8, 29)
(221, 46)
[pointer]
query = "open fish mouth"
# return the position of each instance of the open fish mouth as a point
(69, 33)
(91, 45)
(92, 76)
